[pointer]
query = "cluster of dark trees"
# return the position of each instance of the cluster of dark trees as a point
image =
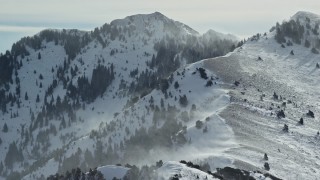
(149, 172)
(77, 174)
(13, 155)
(134, 173)
(166, 61)
(144, 83)
(292, 29)
(6, 67)
(102, 77)
(145, 139)
(169, 57)
(183, 100)
(71, 40)
(203, 73)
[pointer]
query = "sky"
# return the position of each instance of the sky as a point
(19, 18)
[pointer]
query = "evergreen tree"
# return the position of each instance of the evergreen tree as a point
(307, 44)
(301, 121)
(280, 114)
(183, 101)
(63, 123)
(38, 98)
(209, 83)
(26, 96)
(266, 157)
(314, 51)
(203, 73)
(1, 167)
(266, 166)
(39, 55)
(292, 53)
(310, 114)
(5, 128)
(285, 128)
(199, 124)
(13, 155)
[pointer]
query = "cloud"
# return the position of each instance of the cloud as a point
(240, 17)
(20, 29)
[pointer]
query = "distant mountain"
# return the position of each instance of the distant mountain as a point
(68, 97)
(213, 35)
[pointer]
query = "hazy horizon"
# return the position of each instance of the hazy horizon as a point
(242, 18)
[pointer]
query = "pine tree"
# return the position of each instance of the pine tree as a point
(310, 114)
(199, 124)
(38, 98)
(266, 166)
(26, 96)
(291, 52)
(280, 114)
(1, 167)
(266, 157)
(13, 155)
(301, 121)
(39, 55)
(183, 101)
(5, 128)
(176, 85)
(285, 128)
(275, 96)
(307, 44)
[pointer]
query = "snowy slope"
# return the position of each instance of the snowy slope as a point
(262, 67)
(171, 168)
(209, 146)
(53, 127)
(111, 172)
(222, 111)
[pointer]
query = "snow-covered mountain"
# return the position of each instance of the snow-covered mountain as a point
(135, 92)
(274, 106)
(73, 98)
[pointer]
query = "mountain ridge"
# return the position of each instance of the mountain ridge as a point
(58, 82)
(146, 94)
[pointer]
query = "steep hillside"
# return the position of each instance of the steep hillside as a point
(70, 98)
(134, 91)
(275, 104)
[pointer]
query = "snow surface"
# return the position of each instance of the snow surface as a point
(241, 127)
(110, 171)
(170, 168)
(293, 155)
(132, 53)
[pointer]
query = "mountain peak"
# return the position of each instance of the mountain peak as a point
(212, 34)
(137, 17)
(143, 21)
(302, 15)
